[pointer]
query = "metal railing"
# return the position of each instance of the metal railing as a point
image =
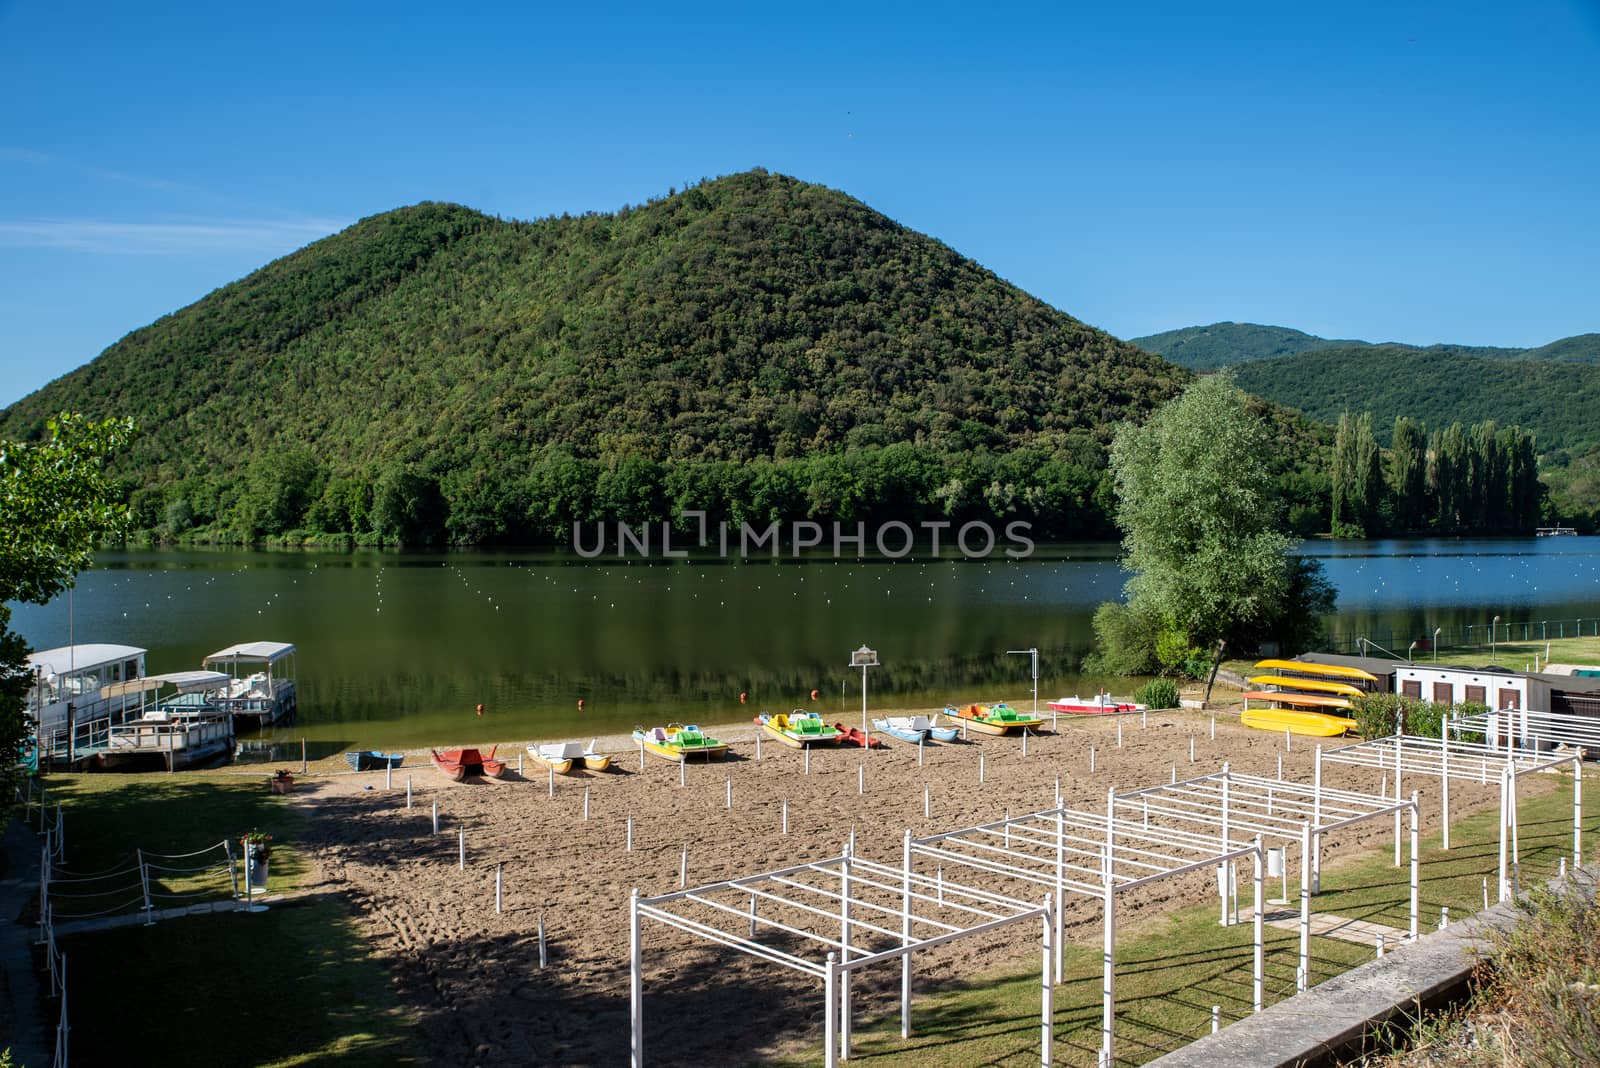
(1392, 643)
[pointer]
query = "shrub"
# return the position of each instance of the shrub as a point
(1375, 713)
(1124, 642)
(1158, 693)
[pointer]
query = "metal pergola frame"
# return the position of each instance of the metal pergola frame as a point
(1442, 759)
(1522, 728)
(1225, 803)
(1093, 855)
(865, 899)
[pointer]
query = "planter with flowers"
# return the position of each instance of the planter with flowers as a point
(257, 852)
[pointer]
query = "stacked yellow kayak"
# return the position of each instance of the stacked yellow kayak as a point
(1297, 695)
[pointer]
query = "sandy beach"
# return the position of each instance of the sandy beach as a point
(474, 976)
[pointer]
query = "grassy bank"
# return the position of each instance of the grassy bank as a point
(290, 986)
(1171, 971)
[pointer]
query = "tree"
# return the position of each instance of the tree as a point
(55, 503)
(1201, 529)
(1408, 474)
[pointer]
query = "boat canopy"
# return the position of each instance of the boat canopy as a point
(250, 653)
(184, 681)
(81, 657)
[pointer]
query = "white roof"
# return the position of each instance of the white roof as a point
(185, 681)
(78, 657)
(252, 652)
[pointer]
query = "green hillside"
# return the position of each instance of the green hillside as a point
(1582, 348)
(1207, 348)
(755, 345)
(1556, 400)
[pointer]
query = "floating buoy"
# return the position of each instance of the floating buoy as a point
(743, 697)
(480, 709)
(813, 695)
(580, 704)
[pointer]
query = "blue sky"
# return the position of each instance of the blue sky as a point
(1387, 171)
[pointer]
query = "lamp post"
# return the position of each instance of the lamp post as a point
(1493, 632)
(864, 658)
(1409, 651)
(1436, 631)
(1033, 654)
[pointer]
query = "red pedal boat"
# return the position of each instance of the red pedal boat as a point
(455, 763)
(854, 736)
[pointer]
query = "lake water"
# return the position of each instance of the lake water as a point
(396, 649)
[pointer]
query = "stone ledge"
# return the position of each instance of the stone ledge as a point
(1335, 1018)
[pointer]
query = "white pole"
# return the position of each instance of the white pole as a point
(1444, 788)
(1216, 1018)
(727, 800)
(1091, 760)
(435, 815)
(1061, 886)
(1024, 741)
(1047, 1013)
(830, 1011)
(630, 832)
(552, 777)
(1516, 851)
(542, 959)
(758, 746)
(683, 772)
(461, 861)
(1505, 794)
(786, 815)
(497, 868)
(1224, 879)
(641, 752)
(1398, 797)
(1108, 1002)
(927, 809)
(1577, 812)
(920, 739)
(980, 769)
(1303, 973)
(408, 791)
(1191, 749)
(683, 868)
(1213, 728)
(1288, 740)
(586, 804)
(1259, 975)
(905, 935)
(808, 760)
(388, 773)
(1316, 821)
(1144, 717)
(1416, 870)
(861, 778)
(844, 953)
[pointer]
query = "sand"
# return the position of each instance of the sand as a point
(473, 975)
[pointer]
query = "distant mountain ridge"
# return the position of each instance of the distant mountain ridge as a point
(1227, 344)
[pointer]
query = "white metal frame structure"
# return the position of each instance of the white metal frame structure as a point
(1443, 759)
(1093, 855)
(1521, 728)
(1226, 804)
(873, 913)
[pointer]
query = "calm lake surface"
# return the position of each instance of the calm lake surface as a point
(396, 649)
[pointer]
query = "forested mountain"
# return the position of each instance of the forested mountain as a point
(1555, 400)
(755, 345)
(1581, 348)
(1206, 348)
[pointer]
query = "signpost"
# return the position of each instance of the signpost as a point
(864, 658)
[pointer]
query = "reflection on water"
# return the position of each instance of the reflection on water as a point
(397, 649)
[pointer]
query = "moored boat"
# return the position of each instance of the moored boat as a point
(372, 760)
(1101, 704)
(998, 718)
(798, 729)
(456, 763)
(910, 729)
(679, 742)
(942, 734)
(559, 757)
(1315, 724)
(1307, 667)
(1344, 689)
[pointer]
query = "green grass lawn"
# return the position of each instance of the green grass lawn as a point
(290, 986)
(1171, 972)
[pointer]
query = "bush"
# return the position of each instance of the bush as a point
(1376, 713)
(1158, 693)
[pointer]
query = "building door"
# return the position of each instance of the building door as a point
(1478, 695)
(1508, 699)
(1411, 688)
(1443, 693)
